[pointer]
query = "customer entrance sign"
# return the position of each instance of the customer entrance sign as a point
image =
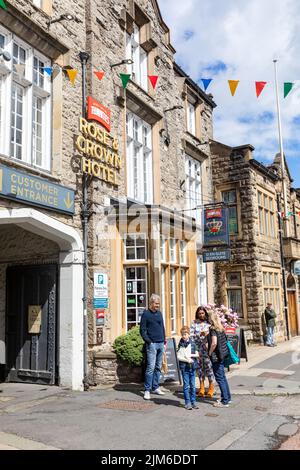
(33, 190)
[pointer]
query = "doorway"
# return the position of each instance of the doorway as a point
(31, 319)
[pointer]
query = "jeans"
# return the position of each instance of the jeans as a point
(189, 385)
(218, 368)
(270, 335)
(154, 362)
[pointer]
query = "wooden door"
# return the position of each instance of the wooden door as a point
(293, 313)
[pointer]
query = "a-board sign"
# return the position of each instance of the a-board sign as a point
(173, 374)
(236, 337)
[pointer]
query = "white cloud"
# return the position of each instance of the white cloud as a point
(245, 36)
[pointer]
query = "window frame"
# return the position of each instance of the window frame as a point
(193, 187)
(266, 204)
(236, 288)
(139, 69)
(10, 79)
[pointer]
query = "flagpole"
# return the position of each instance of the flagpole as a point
(282, 162)
(281, 192)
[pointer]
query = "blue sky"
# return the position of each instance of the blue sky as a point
(238, 40)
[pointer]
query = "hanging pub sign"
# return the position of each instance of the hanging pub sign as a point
(99, 149)
(216, 231)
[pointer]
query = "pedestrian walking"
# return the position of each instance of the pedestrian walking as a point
(218, 351)
(270, 316)
(153, 333)
(199, 332)
(187, 357)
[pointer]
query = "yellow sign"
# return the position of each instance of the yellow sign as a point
(101, 158)
(34, 319)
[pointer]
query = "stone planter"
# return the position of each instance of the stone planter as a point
(107, 369)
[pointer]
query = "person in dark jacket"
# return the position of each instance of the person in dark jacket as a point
(188, 368)
(270, 316)
(218, 351)
(153, 333)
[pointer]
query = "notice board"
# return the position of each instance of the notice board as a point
(173, 375)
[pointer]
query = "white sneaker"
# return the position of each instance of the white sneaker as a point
(147, 395)
(158, 391)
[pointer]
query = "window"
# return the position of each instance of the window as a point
(37, 3)
(139, 68)
(230, 199)
(163, 249)
(173, 299)
(136, 294)
(201, 276)
(139, 159)
(193, 190)
(135, 247)
(172, 244)
(183, 296)
(234, 292)
(266, 214)
(191, 118)
(182, 251)
(163, 293)
(25, 101)
(271, 285)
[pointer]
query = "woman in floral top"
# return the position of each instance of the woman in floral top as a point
(199, 331)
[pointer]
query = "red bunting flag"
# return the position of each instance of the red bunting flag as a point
(259, 87)
(99, 75)
(233, 86)
(153, 79)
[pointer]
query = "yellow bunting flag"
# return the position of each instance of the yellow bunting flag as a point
(233, 85)
(72, 73)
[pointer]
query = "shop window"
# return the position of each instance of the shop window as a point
(25, 101)
(163, 293)
(173, 254)
(235, 292)
(182, 251)
(193, 189)
(201, 277)
(135, 247)
(134, 51)
(230, 199)
(136, 294)
(173, 299)
(163, 254)
(183, 296)
(139, 159)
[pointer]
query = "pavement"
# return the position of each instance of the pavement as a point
(265, 413)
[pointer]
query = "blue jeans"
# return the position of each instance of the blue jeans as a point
(270, 335)
(154, 363)
(218, 368)
(189, 385)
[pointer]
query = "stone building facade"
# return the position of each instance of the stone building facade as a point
(254, 274)
(148, 171)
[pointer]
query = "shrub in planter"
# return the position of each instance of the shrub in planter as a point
(129, 347)
(227, 316)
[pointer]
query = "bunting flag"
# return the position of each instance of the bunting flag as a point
(125, 77)
(206, 82)
(259, 87)
(99, 75)
(2, 5)
(72, 73)
(55, 71)
(233, 86)
(289, 214)
(153, 79)
(287, 86)
(48, 70)
(20, 69)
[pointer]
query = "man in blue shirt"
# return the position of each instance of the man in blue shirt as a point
(153, 333)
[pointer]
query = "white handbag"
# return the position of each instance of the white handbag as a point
(184, 354)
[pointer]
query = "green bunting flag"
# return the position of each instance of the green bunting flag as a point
(287, 88)
(125, 77)
(2, 5)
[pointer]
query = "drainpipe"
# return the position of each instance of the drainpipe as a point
(84, 57)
